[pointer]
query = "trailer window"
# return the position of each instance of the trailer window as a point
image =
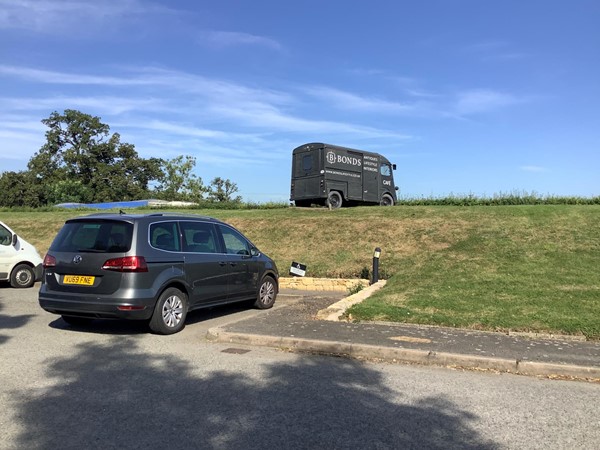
(307, 163)
(385, 170)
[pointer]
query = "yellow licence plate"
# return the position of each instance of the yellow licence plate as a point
(78, 279)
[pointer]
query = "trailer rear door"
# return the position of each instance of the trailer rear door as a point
(307, 174)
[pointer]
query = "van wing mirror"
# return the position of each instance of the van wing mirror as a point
(14, 239)
(394, 166)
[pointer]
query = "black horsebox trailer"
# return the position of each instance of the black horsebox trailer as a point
(330, 175)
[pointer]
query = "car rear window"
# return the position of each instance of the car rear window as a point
(98, 236)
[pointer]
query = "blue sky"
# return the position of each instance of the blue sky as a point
(465, 97)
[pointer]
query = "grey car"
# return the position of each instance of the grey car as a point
(153, 267)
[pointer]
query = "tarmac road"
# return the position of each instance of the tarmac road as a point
(113, 385)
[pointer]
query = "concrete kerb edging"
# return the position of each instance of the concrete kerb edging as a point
(335, 311)
(321, 284)
(406, 355)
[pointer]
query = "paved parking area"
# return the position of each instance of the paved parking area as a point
(113, 385)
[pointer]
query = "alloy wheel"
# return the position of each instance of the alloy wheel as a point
(172, 311)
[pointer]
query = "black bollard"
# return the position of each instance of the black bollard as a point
(376, 255)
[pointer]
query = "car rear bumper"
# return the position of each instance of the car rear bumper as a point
(109, 307)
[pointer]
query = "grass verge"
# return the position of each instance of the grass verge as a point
(521, 268)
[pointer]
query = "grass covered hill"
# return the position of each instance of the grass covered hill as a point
(527, 268)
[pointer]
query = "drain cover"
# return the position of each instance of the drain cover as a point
(235, 351)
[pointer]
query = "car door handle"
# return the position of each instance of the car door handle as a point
(232, 264)
(222, 263)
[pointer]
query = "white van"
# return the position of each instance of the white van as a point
(20, 263)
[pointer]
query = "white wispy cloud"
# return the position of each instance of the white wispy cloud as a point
(171, 80)
(509, 56)
(236, 38)
(361, 72)
(64, 15)
(54, 77)
(221, 95)
(148, 76)
(205, 113)
(225, 149)
(487, 46)
(347, 100)
(270, 118)
(420, 93)
(16, 135)
(19, 122)
(18, 132)
(182, 130)
(533, 169)
(17, 144)
(100, 104)
(495, 50)
(483, 100)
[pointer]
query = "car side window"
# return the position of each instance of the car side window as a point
(235, 243)
(5, 236)
(198, 237)
(165, 236)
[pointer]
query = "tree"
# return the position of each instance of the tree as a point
(20, 189)
(178, 182)
(81, 162)
(221, 190)
(81, 154)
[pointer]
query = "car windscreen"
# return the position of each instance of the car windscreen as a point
(98, 236)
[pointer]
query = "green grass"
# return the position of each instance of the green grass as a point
(516, 268)
(522, 268)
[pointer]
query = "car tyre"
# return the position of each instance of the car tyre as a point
(334, 200)
(267, 293)
(170, 312)
(22, 276)
(387, 200)
(77, 321)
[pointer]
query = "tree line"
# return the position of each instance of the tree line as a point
(82, 162)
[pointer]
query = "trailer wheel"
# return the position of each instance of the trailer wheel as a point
(334, 200)
(387, 200)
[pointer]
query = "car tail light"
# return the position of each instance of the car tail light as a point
(126, 264)
(49, 261)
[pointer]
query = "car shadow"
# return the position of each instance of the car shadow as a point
(5, 285)
(134, 327)
(114, 395)
(10, 322)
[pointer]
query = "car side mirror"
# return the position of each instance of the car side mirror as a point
(14, 239)
(254, 252)
(394, 166)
